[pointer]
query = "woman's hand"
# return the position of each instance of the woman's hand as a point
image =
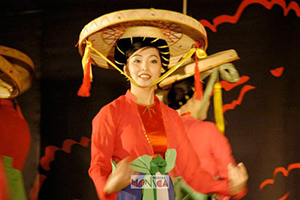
(238, 178)
(120, 178)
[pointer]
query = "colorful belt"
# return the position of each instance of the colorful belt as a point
(147, 165)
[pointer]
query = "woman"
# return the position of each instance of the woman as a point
(137, 127)
(16, 76)
(211, 146)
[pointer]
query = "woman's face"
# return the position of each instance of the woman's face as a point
(144, 66)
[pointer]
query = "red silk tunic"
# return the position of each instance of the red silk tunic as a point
(118, 133)
(212, 148)
(14, 134)
(155, 130)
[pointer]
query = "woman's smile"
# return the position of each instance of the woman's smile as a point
(145, 76)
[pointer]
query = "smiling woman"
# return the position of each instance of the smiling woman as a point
(136, 134)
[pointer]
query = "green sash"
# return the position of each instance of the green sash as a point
(184, 192)
(15, 179)
(145, 164)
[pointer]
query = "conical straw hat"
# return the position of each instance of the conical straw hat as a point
(16, 72)
(180, 31)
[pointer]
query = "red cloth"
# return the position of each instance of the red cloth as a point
(154, 126)
(14, 134)
(118, 133)
(212, 148)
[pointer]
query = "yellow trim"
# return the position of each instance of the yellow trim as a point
(154, 40)
(165, 59)
(161, 47)
(170, 71)
(144, 38)
(174, 68)
(131, 41)
(120, 50)
(85, 59)
(186, 97)
(165, 53)
(201, 53)
(218, 107)
(119, 63)
(165, 64)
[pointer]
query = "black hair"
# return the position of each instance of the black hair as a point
(179, 90)
(126, 47)
(134, 47)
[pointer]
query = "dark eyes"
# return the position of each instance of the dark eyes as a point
(137, 61)
(154, 61)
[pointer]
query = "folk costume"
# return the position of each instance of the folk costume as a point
(213, 151)
(16, 75)
(210, 145)
(212, 66)
(152, 136)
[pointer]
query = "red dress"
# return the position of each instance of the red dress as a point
(14, 134)
(119, 132)
(212, 148)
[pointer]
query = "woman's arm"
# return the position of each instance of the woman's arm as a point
(221, 151)
(102, 145)
(120, 178)
(238, 178)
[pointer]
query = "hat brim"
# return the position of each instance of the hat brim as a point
(205, 64)
(17, 72)
(181, 32)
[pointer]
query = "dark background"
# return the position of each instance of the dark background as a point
(263, 130)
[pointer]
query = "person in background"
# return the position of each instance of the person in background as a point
(211, 146)
(16, 77)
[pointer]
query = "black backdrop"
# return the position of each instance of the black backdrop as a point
(263, 128)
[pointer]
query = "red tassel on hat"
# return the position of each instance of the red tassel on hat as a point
(84, 90)
(197, 78)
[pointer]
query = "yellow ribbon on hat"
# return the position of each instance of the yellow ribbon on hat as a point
(201, 53)
(218, 106)
(85, 59)
(175, 67)
(84, 90)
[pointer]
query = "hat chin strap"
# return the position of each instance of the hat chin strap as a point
(175, 67)
(161, 78)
